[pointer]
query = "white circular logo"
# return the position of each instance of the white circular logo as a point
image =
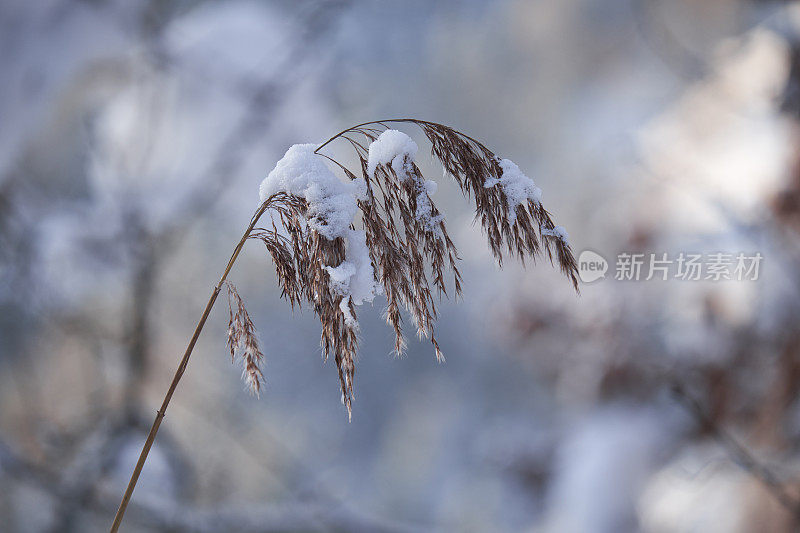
(591, 266)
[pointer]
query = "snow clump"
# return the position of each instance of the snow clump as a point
(395, 148)
(332, 207)
(517, 187)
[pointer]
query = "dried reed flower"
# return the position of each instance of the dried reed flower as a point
(242, 339)
(402, 249)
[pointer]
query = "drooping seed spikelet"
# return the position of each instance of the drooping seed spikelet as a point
(328, 256)
(242, 340)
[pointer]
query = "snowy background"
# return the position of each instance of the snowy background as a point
(134, 136)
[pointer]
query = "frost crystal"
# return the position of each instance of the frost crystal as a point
(331, 209)
(517, 187)
(393, 147)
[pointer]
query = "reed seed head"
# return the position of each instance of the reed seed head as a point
(332, 259)
(242, 340)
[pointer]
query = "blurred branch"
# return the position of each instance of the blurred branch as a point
(152, 249)
(662, 41)
(78, 482)
(18, 467)
(261, 101)
(166, 515)
(737, 451)
(74, 489)
(299, 517)
(667, 44)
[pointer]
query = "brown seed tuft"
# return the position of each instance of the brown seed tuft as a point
(242, 339)
(411, 251)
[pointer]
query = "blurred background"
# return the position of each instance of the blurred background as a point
(133, 138)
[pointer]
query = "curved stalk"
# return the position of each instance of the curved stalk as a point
(406, 255)
(182, 367)
(383, 123)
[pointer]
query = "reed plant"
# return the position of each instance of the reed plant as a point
(339, 241)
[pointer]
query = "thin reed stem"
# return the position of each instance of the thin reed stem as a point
(182, 367)
(322, 258)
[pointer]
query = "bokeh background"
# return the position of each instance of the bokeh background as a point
(133, 138)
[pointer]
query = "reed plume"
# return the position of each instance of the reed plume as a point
(338, 243)
(242, 339)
